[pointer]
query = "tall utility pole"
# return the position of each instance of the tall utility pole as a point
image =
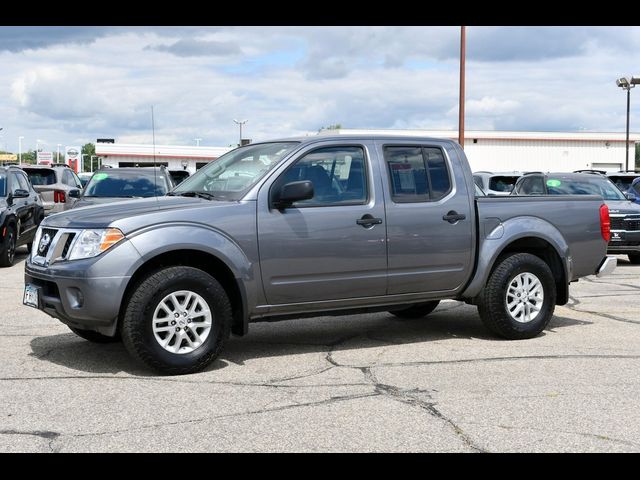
(20, 148)
(627, 83)
(198, 140)
(461, 108)
(240, 122)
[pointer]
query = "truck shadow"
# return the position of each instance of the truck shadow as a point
(451, 322)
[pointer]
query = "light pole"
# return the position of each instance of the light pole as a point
(58, 155)
(627, 83)
(198, 140)
(20, 149)
(240, 122)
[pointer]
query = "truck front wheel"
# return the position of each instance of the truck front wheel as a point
(634, 258)
(519, 298)
(177, 320)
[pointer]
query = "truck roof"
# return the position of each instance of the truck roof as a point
(364, 136)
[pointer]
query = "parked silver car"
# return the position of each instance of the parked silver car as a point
(58, 185)
(496, 183)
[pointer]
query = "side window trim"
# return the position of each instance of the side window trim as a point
(366, 184)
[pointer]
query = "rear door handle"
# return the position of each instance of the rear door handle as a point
(453, 216)
(368, 221)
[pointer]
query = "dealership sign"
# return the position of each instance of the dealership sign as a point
(9, 157)
(73, 158)
(45, 158)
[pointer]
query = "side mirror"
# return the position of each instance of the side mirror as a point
(75, 193)
(631, 196)
(293, 192)
(20, 193)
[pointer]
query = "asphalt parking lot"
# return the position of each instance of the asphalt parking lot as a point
(359, 383)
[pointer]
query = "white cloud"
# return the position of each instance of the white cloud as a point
(294, 80)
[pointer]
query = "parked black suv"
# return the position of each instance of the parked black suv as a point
(623, 212)
(21, 211)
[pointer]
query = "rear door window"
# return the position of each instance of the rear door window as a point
(417, 174)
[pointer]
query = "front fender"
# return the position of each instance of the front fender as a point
(162, 238)
(498, 238)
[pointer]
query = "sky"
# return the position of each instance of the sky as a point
(72, 85)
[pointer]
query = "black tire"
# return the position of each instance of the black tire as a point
(29, 246)
(492, 303)
(634, 258)
(137, 330)
(416, 311)
(95, 337)
(8, 250)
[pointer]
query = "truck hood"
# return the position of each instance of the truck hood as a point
(90, 201)
(129, 215)
(624, 207)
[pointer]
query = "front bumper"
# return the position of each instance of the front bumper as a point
(607, 266)
(629, 242)
(85, 294)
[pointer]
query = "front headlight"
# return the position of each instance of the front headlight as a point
(90, 243)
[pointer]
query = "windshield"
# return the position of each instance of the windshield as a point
(587, 186)
(126, 184)
(479, 191)
(235, 172)
(3, 185)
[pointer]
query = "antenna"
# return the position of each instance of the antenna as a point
(153, 130)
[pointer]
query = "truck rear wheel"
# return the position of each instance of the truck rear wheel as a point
(177, 320)
(416, 311)
(519, 298)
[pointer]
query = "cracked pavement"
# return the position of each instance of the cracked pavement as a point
(368, 382)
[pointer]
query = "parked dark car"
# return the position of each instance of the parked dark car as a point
(21, 211)
(624, 213)
(178, 176)
(117, 184)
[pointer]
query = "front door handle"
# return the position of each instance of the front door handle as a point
(453, 216)
(368, 221)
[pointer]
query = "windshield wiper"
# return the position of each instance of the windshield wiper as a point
(194, 193)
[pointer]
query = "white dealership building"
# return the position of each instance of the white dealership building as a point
(496, 151)
(500, 151)
(174, 157)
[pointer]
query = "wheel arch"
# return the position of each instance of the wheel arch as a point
(547, 243)
(201, 260)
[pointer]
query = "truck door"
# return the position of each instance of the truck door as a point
(429, 218)
(331, 246)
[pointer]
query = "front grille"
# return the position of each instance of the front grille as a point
(625, 223)
(49, 233)
(623, 243)
(67, 244)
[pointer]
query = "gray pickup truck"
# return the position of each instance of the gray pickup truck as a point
(306, 227)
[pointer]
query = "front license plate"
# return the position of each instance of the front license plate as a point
(30, 296)
(617, 236)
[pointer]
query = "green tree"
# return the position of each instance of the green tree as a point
(88, 149)
(335, 126)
